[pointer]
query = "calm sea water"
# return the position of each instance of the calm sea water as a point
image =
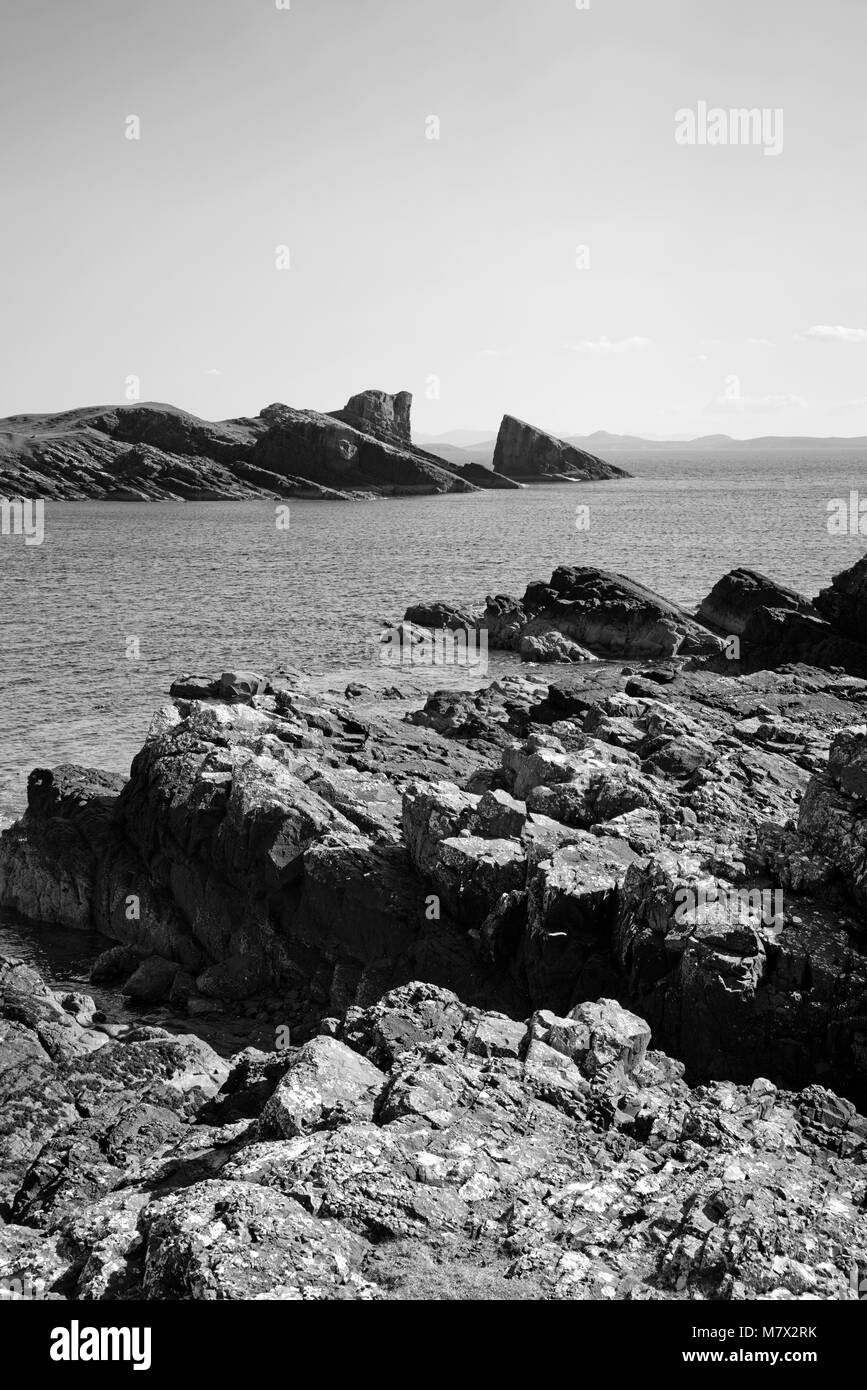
(206, 586)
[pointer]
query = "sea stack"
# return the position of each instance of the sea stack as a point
(528, 453)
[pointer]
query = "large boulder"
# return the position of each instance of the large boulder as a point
(600, 1037)
(734, 598)
(602, 612)
(325, 1080)
(439, 614)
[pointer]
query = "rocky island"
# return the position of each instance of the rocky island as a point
(152, 452)
(560, 984)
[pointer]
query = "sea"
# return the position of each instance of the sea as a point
(120, 598)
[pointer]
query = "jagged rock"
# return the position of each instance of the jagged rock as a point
(596, 793)
(413, 1018)
(377, 413)
(599, 1037)
(47, 872)
(300, 846)
(326, 1081)
(729, 986)
(498, 816)
(504, 1158)
(847, 761)
(640, 829)
(524, 452)
(604, 613)
(431, 814)
(157, 452)
(472, 874)
(734, 598)
(572, 900)
(844, 602)
(832, 825)
(237, 1240)
(541, 762)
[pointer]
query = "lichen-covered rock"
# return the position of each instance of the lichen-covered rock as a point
(234, 1240)
(325, 1080)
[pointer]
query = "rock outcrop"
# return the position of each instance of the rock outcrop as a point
(776, 626)
(584, 612)
(734, 599)
(620, 833)
(844, 603)
(377, 413)
(530, 455)
(153, 452)
(417, 1148)
(479, 922)
(581, 614)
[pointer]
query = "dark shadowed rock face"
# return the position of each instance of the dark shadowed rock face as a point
(522, 451)
(776, 626)
(844, 602)
(734, 598)
(778, 636)
(377, 413)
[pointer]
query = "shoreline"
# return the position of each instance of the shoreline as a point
(387, 964)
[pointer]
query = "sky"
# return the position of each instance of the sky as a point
(490, 203)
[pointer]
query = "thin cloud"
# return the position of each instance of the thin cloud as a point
(213, 371)
(491, 352)
(760, 342)
(607, 345)
(838, 333)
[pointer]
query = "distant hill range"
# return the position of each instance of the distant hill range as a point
(153, 452)
(479, 445)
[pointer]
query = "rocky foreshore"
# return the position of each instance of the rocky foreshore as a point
(415, 1148)
(152, 452)
(466, 923)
